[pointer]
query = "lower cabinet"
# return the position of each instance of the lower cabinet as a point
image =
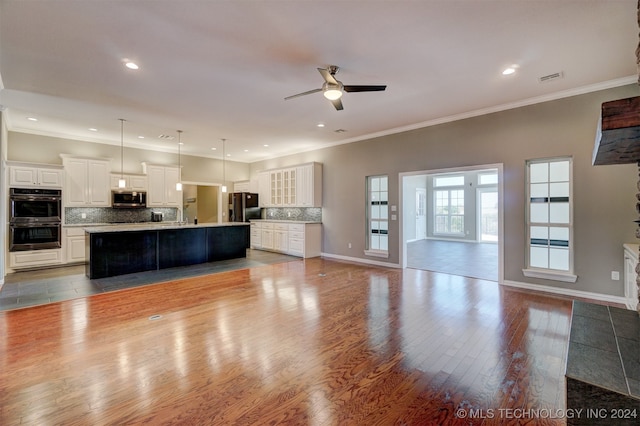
(74, 245)
(35, 258)
(296, 239)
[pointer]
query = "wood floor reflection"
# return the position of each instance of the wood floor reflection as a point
(318, 342)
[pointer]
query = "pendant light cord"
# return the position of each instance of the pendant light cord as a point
(122, 120)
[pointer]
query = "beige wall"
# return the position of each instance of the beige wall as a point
(604, 196)
(44, 149)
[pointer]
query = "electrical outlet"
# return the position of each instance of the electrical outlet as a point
(615, 275)
(349, 245)
(84, 215)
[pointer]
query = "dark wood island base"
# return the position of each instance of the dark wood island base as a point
(119, 250)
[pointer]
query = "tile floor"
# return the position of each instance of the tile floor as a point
(31, 288)
(468, 259)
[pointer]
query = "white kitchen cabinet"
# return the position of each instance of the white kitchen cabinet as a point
(281, 237)
(74, 244)
(86, 182)
(264, 189)
(289, 187)
(630, 275)
(298, 186)
(132, 182)
(162, 186)
(296, 239)
(256, 235)
(26, 175)
(309, 185)
(267, 236)
(35, 258)
(275, 185)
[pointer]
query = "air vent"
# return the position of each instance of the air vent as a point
(550, 77)
(166, 137)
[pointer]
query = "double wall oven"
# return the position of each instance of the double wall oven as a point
(35, 219)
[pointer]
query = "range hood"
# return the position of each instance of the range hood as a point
(618, 134)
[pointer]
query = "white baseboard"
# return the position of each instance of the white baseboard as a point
(360, 260)
(572, 293)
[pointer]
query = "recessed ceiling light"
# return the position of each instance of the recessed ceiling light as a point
(32, 119)
(140, 137)
(130, 64)
(246, 150)
(213, 149)
(509, 70)
(266, 145)
(320, 124)
(228, 155)
(93, 129)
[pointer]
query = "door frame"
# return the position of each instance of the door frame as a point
(401, 191)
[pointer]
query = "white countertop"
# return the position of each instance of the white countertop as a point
(154, 226)
(283, 221)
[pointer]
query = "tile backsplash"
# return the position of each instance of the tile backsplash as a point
(308, 214)
(73, 215)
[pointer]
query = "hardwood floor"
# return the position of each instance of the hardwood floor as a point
(316, 342)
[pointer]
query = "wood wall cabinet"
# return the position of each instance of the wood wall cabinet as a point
(86, 182)
(296, 239)
(297, 186)
(132, 182)
(28, 175)
(162, 186)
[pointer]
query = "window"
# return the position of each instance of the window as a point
(449, 205)
(549, 220)
(378, 216)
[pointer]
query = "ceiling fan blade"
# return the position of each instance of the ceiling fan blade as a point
(326, 74)
(364, 88)
(338, 104)
(303, 93)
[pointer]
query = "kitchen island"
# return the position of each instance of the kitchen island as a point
(125, 249)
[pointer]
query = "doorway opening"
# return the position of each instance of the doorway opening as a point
(452, 221)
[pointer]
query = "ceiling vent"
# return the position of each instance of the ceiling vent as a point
(166, 137)
(340, 130)
(550, 77)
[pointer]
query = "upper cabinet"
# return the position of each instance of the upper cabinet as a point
(297, 186)
(26, 175)
(86, 182)
(309, 185)
(162, 182)
(132, 182)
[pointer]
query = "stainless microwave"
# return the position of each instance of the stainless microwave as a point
(128, 199)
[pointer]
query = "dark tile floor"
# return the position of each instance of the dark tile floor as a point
(31, 288)
(468, 259)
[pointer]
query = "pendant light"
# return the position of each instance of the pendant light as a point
(179, 183)
(121, 182)
(224, 186)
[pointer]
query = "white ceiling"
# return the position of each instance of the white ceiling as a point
(221, 69)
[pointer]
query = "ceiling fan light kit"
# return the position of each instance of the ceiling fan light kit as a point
(333, 89)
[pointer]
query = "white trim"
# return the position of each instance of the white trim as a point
(360, 260)
(567, 292)
(550, 275)
(377, 253)
(500, 187)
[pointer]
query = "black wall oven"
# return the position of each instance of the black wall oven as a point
(35, 219)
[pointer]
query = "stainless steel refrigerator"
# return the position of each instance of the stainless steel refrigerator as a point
(243, 206)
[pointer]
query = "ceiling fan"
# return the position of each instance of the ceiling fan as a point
(332, 88)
